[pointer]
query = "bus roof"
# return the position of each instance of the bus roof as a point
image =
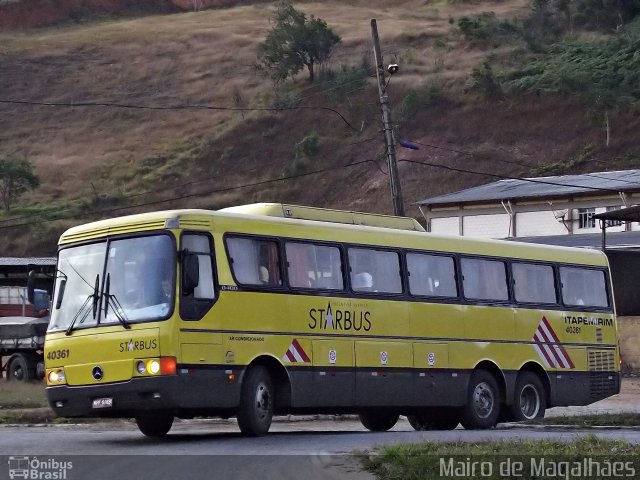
(342, 226)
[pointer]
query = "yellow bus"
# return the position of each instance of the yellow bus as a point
(272, 309)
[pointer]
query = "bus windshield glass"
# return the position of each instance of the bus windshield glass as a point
(136, 284)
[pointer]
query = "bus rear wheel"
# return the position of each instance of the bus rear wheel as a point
(377, 421)
(256, 403)
(440, 419)
(482, 408)
(154, 424)
(529, 400)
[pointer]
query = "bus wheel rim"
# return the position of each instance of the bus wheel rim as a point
(529, 402)
(17, 373)
(263, 401)
(483, 400)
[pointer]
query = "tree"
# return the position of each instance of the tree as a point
(294, 42)
(16, 177)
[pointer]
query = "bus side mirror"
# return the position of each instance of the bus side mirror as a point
(190, 273)
(31, 286)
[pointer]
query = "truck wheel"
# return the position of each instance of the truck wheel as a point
(155, 424)
(256, 403)
(21, 368)
(483, 402)
(529, 399)
(379, 421)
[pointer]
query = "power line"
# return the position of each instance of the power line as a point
(173, 107)
(191, 195)
(507, 177)
(527, 165)
(182, 185)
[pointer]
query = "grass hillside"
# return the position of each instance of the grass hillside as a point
(458, 89)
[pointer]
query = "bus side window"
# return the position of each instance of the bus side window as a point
(484, 279)
(431, 275)
(583, 286)
(255, 261)
(533, 283)
(374, 270)
(314, 266)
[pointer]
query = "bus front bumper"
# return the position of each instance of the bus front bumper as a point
(124, 399)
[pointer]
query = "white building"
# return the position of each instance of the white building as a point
(534, 207)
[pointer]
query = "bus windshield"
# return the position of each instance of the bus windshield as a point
(124, 280)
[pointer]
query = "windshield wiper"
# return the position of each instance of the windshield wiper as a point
(112, 300)
(94, 296)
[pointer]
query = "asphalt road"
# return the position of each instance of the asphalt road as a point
(301, 450)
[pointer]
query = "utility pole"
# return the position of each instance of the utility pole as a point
(390, 146)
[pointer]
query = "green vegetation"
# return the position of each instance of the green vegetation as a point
(295, 42)
(424, 460)
(304, 150)
(484, 82)
(429, 94)
(609, 419)
(22, 395)
(485, 28)
(563, 167)
(16, 177)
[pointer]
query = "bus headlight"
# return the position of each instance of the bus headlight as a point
(56, 376)
(141, 368)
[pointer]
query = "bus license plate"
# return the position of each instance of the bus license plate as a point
(102, 403)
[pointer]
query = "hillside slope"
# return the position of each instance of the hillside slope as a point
(107, 159)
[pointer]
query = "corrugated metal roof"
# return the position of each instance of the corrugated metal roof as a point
(25, 261)
(542, 187)
(630, 240)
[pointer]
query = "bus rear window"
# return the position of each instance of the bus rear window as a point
(583, 287)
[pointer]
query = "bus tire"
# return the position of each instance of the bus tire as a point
(529, 400)
(379, 421)
(256, 403)
(482, 407)
(154, 424)
(21, 368)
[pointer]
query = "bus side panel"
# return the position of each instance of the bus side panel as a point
(333, 373)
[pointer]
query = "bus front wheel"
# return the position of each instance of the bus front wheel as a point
(256, 403)
(379, 421)
(154, 424)
(482, 407)
(529, 400)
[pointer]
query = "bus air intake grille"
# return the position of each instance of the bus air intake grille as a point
(602, 380)
(601, 361)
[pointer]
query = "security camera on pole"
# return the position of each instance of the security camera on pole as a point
(394, 180)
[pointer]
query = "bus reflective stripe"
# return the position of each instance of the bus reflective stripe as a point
(543, 348)
(546, 334)
(548, 346)
(295, 353)
(543, 356)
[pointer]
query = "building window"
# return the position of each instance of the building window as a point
(613, 223)
(585, 218)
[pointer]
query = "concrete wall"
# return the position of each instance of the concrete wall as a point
(629, 334)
